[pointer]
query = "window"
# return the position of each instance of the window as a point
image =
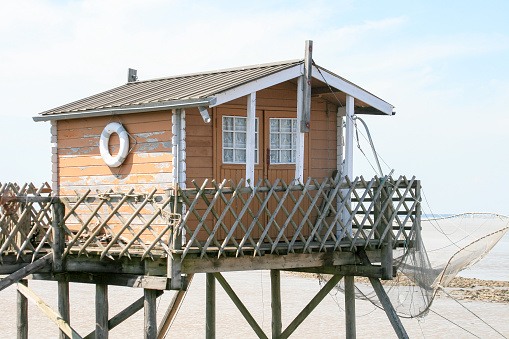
(234, 140)
(283, 141)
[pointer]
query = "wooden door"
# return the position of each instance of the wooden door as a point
(275, 154)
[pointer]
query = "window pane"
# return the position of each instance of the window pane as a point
(256, 157)
(240, 140)
(294, 124)
(274, 141)
(227, 139)
(228, 124)
(286, 157)
(274, 157)
(274, 125)
(240, 155)
(286, 125)
(294, 156)
(286, 141)
(240, 124)
(228, 155)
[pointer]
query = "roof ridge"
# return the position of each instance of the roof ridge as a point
(225, 70)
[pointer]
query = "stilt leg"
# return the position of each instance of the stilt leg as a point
(101, 311)
(275, 285)
(210, 332)
(22, 313)
(150, 314)
(63, 304)
(350, 307)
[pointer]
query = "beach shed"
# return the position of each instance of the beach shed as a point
(246, 168)
(246, 122)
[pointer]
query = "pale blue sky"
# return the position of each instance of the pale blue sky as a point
(443, 64)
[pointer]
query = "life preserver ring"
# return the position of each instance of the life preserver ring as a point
(114, 127)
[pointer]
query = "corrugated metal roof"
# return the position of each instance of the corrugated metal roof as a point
(175, 88)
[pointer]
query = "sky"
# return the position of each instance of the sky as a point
(442, 64)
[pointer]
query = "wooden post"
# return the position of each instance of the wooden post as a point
(210, 330)
(58, 244)
(306, 97)
(299, 158)
(101, 311)
(386, 253)
(63, 304)
(250, 139)
(150, 314)
(22, 310)
(275, 288)
(175, 264)
(350, 307)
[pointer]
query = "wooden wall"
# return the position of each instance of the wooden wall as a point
(80, 165)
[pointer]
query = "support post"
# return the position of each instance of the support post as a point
(299, 159)
(250, 139)
(275, 289)
(63, 304)
(58, 244)
(149, 306)
(101, 311)
(306, 99)
(210, 330)
(386, 253)
(22, 311)
(348, 166)
(350, 307)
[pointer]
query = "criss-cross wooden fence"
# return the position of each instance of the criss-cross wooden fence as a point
(218, 219)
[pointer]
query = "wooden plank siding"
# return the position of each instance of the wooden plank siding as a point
(81, 167)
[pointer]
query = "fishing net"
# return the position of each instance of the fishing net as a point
(453, 243)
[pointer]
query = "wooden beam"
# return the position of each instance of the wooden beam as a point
(127, 280)
(269, 261)
(63, 304)
(275, 289)
(345, 270)
(22, 313)
(350, 307)
(172, 310)
(124, 314)
(210, 306)
(150, 315)
(54, 316)
(243, 310)
(27, 270)
(101, 311)
(311, 306)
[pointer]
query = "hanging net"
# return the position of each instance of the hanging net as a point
(453, 243)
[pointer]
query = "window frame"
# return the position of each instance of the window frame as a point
(257, 140)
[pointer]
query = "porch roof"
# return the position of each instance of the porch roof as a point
(209, 89)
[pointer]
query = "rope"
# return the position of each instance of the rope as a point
(452, 322)
(450, 296)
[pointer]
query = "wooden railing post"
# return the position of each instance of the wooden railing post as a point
(22, 310)
(174, 264)
(58, 245)
(386, 248)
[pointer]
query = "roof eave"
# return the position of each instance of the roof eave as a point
(160, 106)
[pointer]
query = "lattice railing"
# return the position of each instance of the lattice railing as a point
(334, 214)
(113, 224)
(215, 219)
(25, 219)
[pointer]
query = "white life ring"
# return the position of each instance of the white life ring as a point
(114, 127)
